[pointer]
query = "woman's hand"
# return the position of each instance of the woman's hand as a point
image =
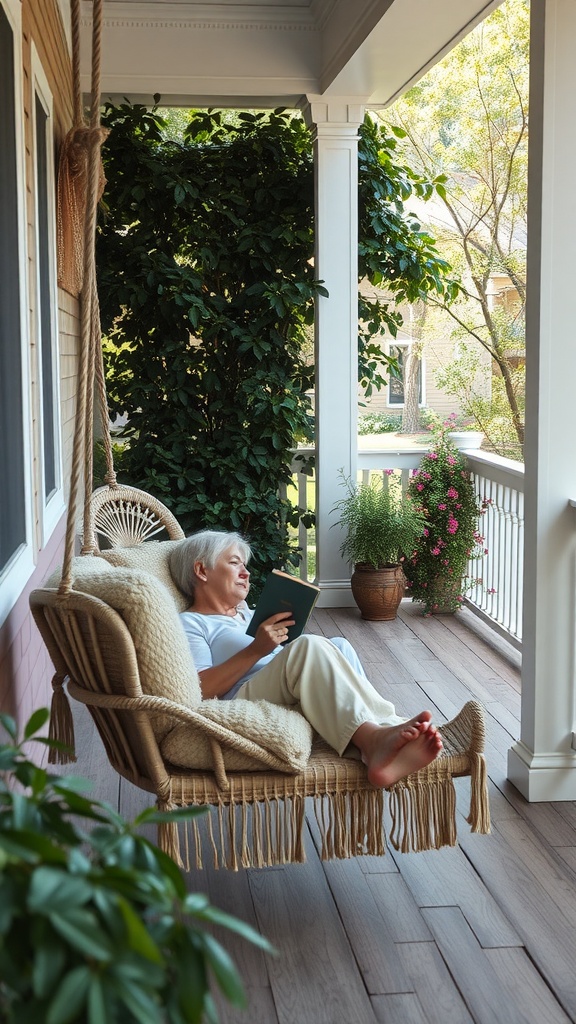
(271, 632)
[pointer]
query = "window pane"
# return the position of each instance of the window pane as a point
(45, 315)
(396, 380)
(12, 499)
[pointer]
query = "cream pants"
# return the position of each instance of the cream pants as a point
(326, 678)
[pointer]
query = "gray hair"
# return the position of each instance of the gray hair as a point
(205, 546)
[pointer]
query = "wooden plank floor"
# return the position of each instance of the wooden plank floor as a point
(483, 932)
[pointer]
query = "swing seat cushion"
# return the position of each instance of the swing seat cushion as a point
(282, 738)
(154, 557)
(165, 664)
(256, 734)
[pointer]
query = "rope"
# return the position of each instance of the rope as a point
(77, 92)
(90, 338)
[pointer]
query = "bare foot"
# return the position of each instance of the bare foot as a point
(392, 752)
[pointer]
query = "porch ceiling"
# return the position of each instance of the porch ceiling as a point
(269, 52)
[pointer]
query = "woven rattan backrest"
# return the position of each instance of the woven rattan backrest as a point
(126, 516)
(89, 642)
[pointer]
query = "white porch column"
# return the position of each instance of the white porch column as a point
(335, 124)
(543, 763)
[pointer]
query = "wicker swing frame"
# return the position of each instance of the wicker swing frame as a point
(260, 814)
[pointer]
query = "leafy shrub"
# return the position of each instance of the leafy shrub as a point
(490, 413)
(378, 423)
(99, 465)
(206, 277)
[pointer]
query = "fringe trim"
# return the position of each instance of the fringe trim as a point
(61, 726)
(423, 814)
(242, 834)
(351, 824)
(479, 816)
(169, 837)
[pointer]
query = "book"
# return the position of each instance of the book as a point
(284, 593)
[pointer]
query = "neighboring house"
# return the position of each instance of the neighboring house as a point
(334, 59)
(438, 347)
(440, 343)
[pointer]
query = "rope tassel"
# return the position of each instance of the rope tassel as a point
(169, 837)
(61, 728)
(423, 814)
(479, 816)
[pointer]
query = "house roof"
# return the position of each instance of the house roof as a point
(273, 52)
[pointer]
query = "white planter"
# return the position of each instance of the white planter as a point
(464, 439)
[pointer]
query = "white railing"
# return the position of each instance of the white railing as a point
(498, 599)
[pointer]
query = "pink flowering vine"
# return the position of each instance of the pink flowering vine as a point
(445, 492)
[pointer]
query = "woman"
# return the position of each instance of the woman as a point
(324, 676)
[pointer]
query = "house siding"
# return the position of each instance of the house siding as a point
(25, 667)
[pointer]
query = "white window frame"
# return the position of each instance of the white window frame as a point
(17, 572)
(53, 505)
(406, 343)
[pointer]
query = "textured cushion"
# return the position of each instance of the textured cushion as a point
(84, 565)
(278, 734)
(278, 731)
(164, 661)
(153, 557)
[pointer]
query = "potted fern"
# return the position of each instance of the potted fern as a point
(382, 525)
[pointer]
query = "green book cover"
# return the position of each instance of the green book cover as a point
(284, 593)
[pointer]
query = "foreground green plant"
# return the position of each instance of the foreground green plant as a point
(98, 928)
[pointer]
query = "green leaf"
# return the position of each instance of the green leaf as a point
(9, 725)
(70, 998)
(30, 846)
(179, 814)
(35, 722)
(139, 1002)
(96, 1004)
(234, 924)
(139, 938)
(225, 971)
(49, 962)
(52, 890)
(191, 981)
(81, 930)
(73, 784)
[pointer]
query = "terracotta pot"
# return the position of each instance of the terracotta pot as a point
(378, 592)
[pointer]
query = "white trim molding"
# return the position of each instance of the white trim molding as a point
(19, 568)
(52, 505)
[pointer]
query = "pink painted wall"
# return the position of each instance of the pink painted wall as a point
(25, 667)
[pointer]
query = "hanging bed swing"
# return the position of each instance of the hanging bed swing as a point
(110, 622)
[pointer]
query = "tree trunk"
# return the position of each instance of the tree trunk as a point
(411, 411)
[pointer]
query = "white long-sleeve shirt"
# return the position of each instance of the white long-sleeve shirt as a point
(213, 639)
